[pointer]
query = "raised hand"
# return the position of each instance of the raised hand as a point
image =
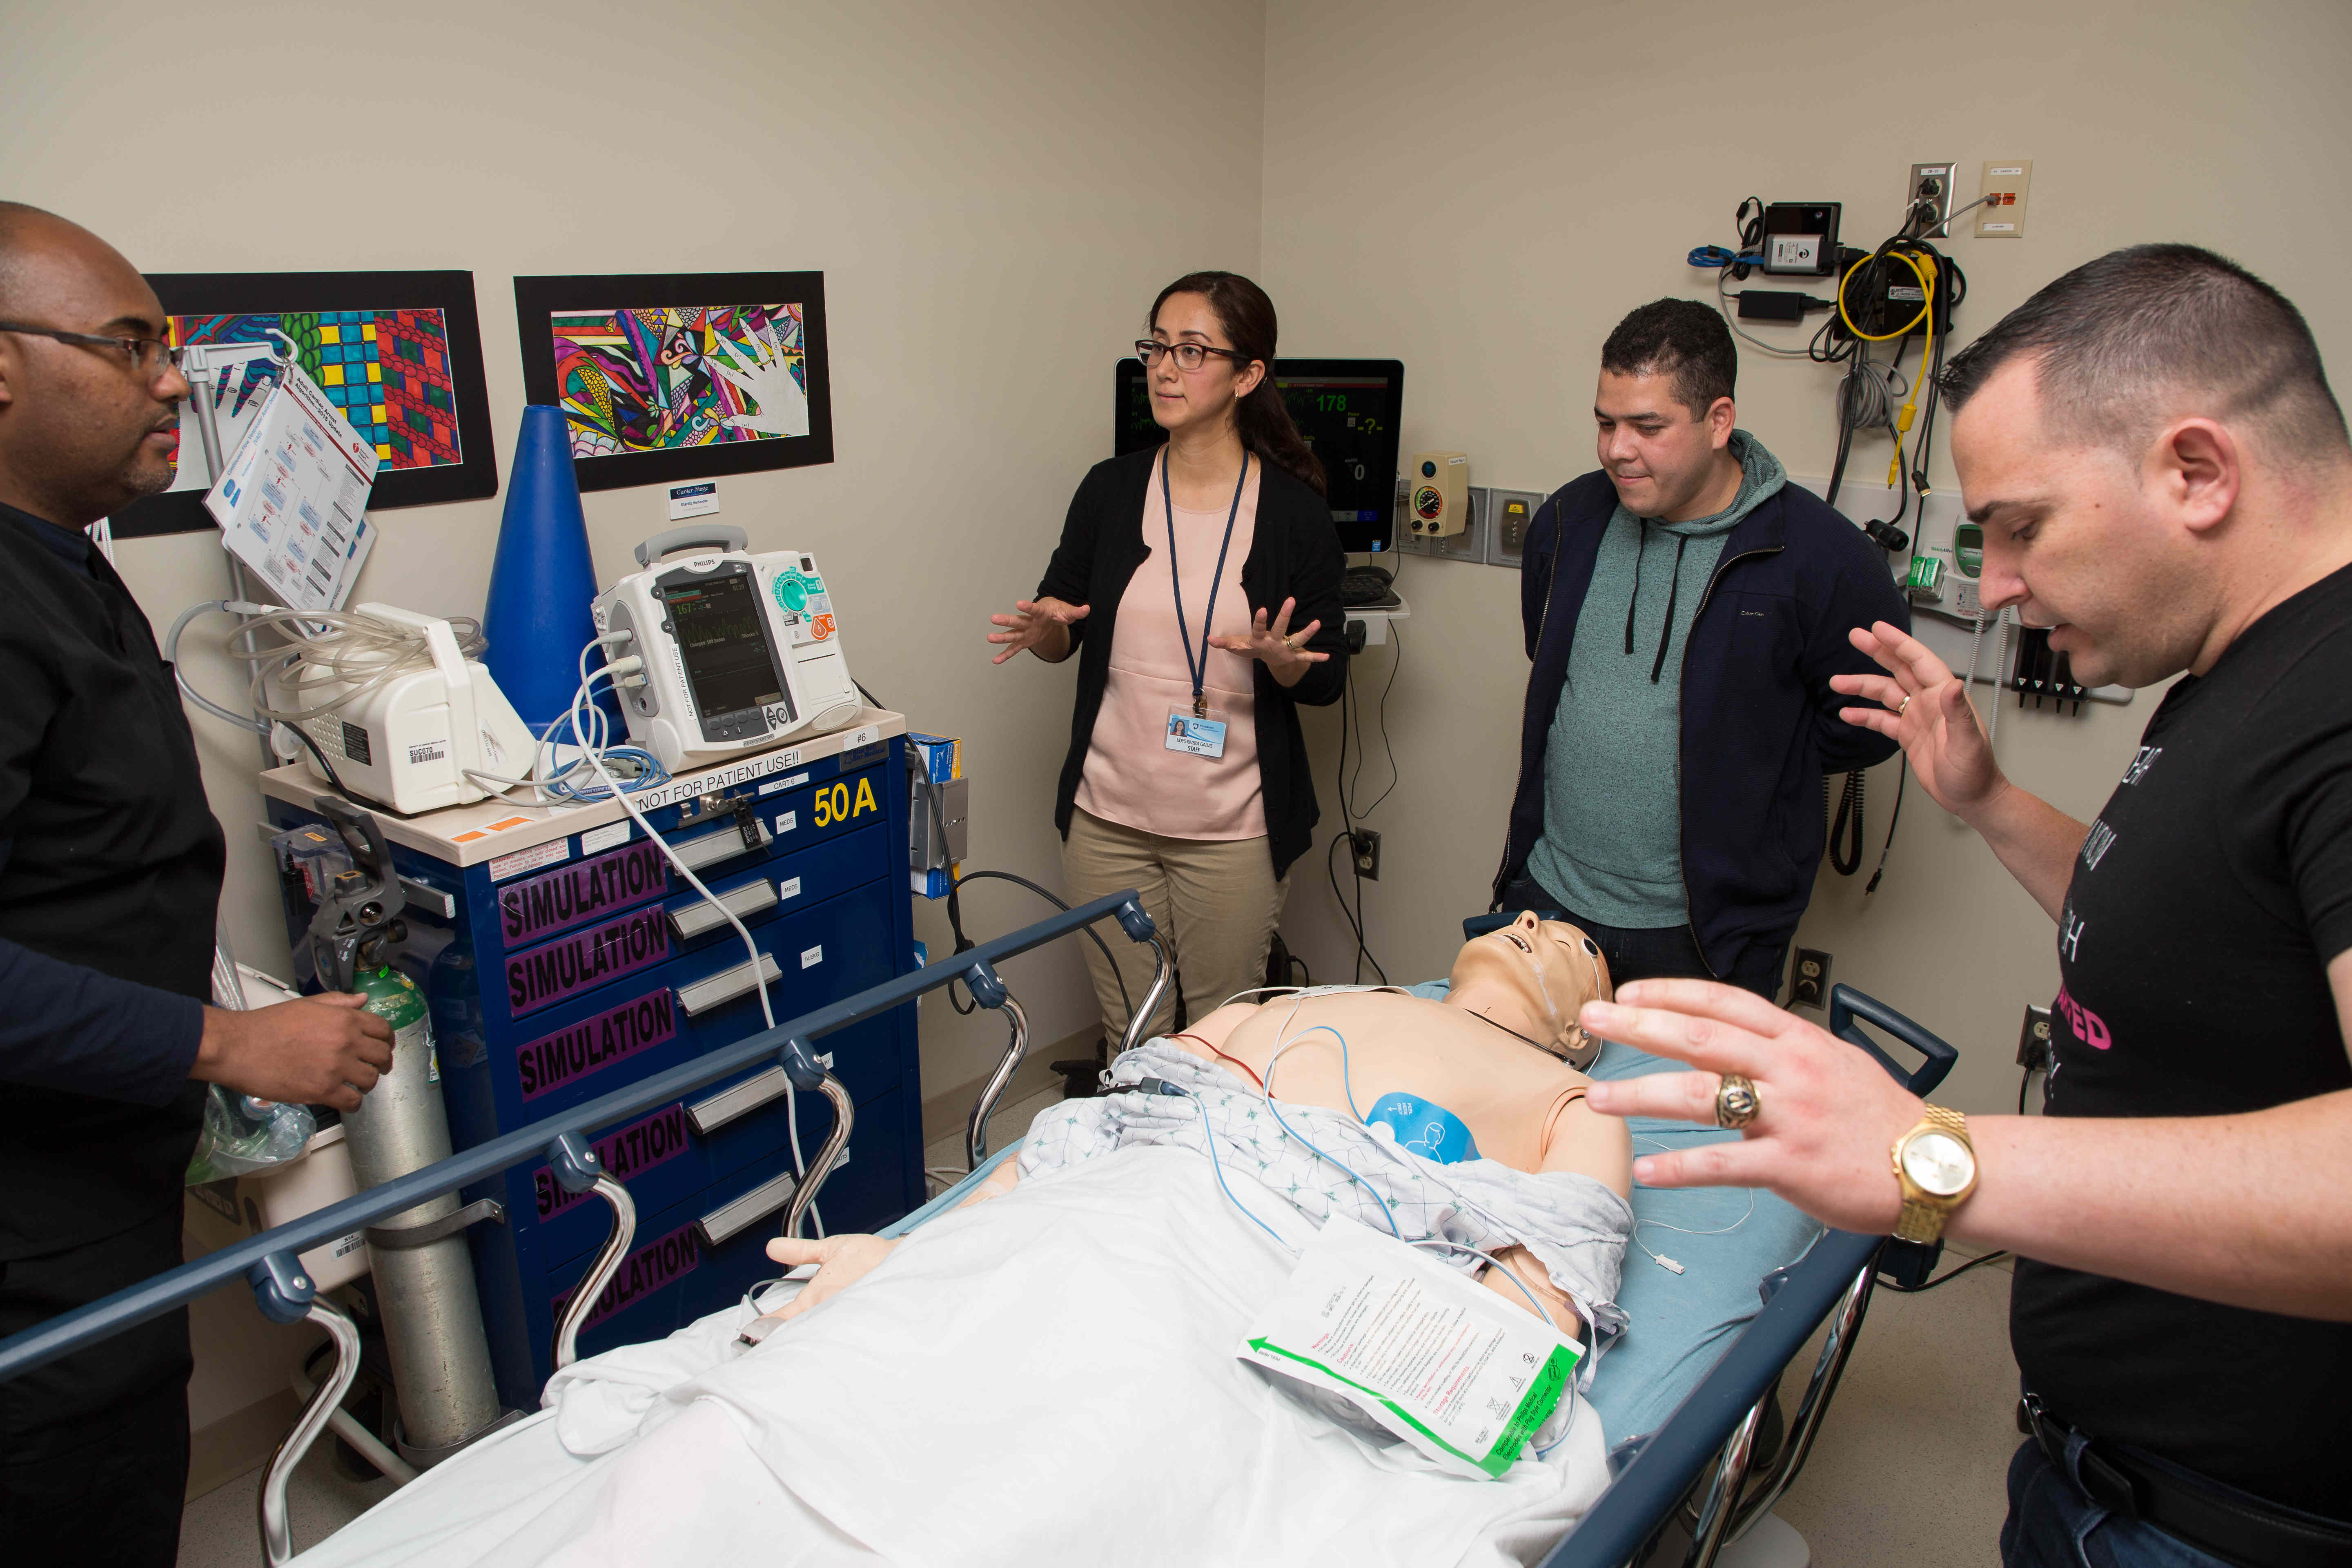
(841, 1260)
(1040, 624)
(1826, 1114)
(1926, 708)
(779, 405)
(1283, 651)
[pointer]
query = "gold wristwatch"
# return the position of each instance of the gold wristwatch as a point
(1937, 1167)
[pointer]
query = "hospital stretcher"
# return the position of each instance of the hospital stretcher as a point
(1688, 1470)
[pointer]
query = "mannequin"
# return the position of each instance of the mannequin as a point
(1501, 1071)
(1491, 1052)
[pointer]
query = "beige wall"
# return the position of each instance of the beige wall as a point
(991, 204)
(991, 208)
(1483, 191)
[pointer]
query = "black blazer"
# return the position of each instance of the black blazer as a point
(1294, 554)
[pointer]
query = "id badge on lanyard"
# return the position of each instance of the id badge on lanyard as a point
(1201, 731)
(1201, 734)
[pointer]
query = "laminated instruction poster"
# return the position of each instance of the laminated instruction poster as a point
(292, 504)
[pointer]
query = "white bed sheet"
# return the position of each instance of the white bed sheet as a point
(1046, 1378)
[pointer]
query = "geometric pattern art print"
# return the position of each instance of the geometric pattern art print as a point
(388, 371)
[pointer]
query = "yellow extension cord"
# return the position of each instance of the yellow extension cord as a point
(1923, 269)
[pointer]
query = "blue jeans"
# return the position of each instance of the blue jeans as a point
(2053, 1524)
(1667, 953)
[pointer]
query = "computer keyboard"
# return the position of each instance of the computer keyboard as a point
(1368, 588)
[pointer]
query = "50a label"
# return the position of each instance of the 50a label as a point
(836, 803)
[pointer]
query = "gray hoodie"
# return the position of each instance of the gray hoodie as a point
(1612, 844)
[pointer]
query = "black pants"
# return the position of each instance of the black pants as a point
(1664, 953)
(94, 1445)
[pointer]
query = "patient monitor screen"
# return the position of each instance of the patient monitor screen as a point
(717, 625)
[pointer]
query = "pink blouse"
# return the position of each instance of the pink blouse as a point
(1131, 777)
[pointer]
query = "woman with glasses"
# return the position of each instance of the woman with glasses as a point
(1199, 585)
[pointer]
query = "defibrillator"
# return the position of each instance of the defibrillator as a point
(742, 651)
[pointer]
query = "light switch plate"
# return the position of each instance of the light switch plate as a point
(1470, 544)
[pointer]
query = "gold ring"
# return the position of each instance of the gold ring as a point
(1904, 704)
(1735, 1102)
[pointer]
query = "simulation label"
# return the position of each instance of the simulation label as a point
(646, 1270)
(571, 1054)
(624, 1156)
(587, 959)
(575, 894)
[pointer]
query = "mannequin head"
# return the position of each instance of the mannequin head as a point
(1532, 976)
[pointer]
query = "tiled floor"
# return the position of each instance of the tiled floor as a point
(219, 1529)
(1908, 1467)
(1912, 1457)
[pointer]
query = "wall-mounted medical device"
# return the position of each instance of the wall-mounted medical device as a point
(1438, 486)
(1801, 239)
(406, 739)
(741, 651)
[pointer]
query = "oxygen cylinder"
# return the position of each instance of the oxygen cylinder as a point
(431, 1318)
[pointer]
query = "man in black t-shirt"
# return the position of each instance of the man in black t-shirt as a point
(2164, 479)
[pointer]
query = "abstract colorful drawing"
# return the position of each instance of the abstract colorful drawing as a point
(661, 378)
(388, 369)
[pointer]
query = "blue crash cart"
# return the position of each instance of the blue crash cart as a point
(563, 958)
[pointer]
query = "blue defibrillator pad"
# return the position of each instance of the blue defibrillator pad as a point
(1424, 1127)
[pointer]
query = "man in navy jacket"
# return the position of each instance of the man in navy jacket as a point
(1685, 608)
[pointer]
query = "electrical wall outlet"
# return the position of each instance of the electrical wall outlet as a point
(1931, 184)
(2006, 182)
(1508, 513)
(1470, 542)
(1810, 985)
(2034, 1042)
(1366, 844)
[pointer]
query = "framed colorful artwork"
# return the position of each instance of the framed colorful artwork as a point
(670, 376)
(400, 352)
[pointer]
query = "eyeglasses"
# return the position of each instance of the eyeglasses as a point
(1189, 356)
(147, 356)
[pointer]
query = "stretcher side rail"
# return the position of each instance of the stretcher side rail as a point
(266, 1262)
(1718, 1420)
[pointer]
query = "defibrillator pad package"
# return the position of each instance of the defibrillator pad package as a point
(1445, 1363)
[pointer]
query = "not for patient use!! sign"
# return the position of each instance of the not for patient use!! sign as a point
(1445, 1363)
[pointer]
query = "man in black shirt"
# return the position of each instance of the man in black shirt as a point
(110, 874)
(2163, 479)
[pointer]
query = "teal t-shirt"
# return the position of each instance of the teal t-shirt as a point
(1611, 843)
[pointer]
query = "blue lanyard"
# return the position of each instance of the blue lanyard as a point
(1199, 668)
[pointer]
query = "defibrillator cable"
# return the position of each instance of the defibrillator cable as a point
(613, 670)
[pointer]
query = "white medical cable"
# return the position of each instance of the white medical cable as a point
(630, 666)
(1992, 731)
(553, 789)
(356, 650)
(1682, 1230)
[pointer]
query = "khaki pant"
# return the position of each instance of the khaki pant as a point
(1215, 901)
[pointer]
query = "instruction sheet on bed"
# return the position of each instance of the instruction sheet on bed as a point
(1443, 1363)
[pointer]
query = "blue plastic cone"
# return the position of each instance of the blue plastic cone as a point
(537, 618)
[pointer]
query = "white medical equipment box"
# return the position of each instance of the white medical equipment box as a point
(409, 743)
(742, 651)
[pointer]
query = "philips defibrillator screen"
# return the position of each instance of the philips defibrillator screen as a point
(717, 626)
